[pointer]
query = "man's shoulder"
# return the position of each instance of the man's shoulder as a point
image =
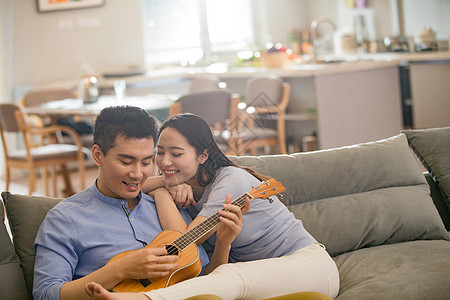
(76, 200)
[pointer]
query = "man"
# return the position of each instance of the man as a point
(83, 232)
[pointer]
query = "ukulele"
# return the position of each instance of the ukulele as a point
(183, 245)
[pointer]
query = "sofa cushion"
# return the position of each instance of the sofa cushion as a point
(432, 147)
(25, 215)
(357, 196)
(12, 282)
(410, 270)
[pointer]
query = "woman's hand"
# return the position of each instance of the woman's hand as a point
(182, 195)
(231, 221)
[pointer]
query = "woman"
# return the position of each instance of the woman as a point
(273, 253)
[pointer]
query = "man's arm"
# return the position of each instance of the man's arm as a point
(58, 260)
(143, 263)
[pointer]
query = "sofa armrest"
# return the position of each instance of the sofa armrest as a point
(438, 200)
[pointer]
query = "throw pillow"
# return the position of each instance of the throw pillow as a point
(357, 196)
(432, 147)
(25, 214)
(12, 283)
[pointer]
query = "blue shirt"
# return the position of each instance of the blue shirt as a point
(269, 229)
(83, 232)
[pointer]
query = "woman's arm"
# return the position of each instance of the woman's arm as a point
(181, 194)
(168, 214)
(231, 224)
(152, 183)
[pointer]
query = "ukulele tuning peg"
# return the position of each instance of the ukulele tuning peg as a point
(270, 200)
(280, 197)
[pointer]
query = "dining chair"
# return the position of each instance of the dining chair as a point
(219, 109)
(266, 100)
(204, 84)
(83, 127)
(36, 98)
(48, 152)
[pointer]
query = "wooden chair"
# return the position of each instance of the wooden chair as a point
(266, 99)
(38, 97)
(48, 152)
(219, 109)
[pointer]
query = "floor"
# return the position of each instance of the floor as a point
(19, 182)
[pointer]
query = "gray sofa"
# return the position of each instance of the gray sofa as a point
(369, 204)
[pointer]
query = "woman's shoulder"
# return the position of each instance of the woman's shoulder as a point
(234, 175)
(232, 171)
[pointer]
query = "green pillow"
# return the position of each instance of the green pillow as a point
(12, 282)
(432, 147)
(25, 215)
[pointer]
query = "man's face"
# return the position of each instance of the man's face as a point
(126, 166)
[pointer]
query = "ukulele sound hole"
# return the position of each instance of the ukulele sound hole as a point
(171, 250)
(145, 282)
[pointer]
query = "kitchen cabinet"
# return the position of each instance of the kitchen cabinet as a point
(359, 106)
(430, 92)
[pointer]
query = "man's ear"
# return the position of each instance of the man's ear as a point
(203, 157)
(97, 154)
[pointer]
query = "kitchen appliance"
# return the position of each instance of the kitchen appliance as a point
(425, 40)
(88, 89)
(396, 43)
(344, 42)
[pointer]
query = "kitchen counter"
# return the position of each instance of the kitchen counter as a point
(348, 100)
(332, 64)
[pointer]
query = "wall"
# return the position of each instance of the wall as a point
(69, 44)
(4, 49)
(380, 13)
(282, 15)
(51, 46)
(433, 13)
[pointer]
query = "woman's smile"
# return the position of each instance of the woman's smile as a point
(176, 158)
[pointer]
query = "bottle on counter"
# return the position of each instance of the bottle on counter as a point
(294, 41)
(306, 42)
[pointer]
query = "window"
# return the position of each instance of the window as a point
(186, 31)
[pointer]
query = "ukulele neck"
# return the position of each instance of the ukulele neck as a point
(206, 226)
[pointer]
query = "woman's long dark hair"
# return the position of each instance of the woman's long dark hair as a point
(199, 135)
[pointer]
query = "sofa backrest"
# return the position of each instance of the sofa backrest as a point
(25, 215)
(12, 281)
(358, 196)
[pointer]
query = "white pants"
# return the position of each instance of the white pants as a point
(308, 269)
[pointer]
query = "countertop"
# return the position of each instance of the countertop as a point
(330, 64)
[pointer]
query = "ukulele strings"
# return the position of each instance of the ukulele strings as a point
(197, 232)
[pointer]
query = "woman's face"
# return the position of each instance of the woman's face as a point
(177, 159)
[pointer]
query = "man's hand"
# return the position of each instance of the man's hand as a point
(146, 263)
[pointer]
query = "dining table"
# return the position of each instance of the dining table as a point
(156, 104)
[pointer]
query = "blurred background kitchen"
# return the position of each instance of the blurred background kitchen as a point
(157, 46)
